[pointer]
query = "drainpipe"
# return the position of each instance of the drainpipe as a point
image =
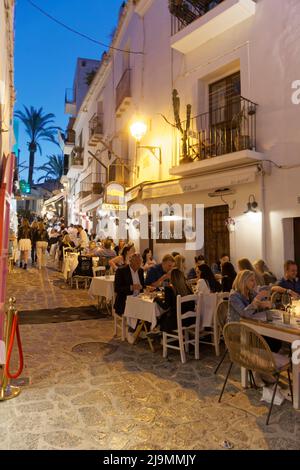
(263, 212)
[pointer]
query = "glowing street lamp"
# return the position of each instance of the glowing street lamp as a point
(138, 130)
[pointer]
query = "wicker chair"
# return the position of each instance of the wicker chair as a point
(250, 350)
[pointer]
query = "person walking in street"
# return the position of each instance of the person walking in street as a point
(34, 228)
(42, 240)
(24, 239)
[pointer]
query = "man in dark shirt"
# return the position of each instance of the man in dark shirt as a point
(289, 283)
(160, 273)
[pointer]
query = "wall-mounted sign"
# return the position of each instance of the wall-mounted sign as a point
(114, 197)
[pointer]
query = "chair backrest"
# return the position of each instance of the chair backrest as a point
(247, 348)
(190, 314)
(67, 250)
(99, 271)
(221, 314)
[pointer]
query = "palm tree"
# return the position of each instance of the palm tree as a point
(38, 127)
(53, 169)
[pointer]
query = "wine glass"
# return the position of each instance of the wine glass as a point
(286, 300)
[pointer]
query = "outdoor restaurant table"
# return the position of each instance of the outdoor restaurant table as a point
(103, 286)
(278, 330)
(70, 264)
(141, 308)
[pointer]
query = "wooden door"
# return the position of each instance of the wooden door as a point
(216, 235)
(297, 241)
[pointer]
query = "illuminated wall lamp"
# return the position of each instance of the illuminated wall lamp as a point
(251, 204)
(138, 130)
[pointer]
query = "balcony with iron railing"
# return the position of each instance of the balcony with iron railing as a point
(70, 101)
(76, 160)
(194, 22)
(123, 92)
(227, 132)
(95, 129)
(92, 187)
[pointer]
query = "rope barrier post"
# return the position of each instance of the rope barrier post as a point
(8, 391)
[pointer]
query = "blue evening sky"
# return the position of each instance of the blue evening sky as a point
(46, 53)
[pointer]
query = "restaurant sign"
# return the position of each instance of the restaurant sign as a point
(114, 197)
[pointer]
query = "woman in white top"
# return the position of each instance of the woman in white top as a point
(206, 283)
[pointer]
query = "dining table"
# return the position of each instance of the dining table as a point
(102, 287)
(142, 309)
(277, 329)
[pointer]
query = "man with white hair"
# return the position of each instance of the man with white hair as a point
(129, 280)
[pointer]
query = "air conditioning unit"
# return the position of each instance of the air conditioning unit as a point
(222, 192)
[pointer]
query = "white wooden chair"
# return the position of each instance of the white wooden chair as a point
(98, 271)
(182, 333)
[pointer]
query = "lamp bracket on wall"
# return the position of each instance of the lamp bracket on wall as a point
(156, 151)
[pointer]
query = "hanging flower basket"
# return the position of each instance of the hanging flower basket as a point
(230, 224)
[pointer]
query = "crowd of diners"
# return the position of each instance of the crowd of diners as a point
(249, 285)
(249, 289)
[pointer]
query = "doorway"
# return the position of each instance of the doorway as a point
(297, 241)
(216, 235)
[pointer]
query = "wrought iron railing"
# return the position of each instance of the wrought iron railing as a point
(226, 129)
(94, 183)
(96, 125)
(185, 12)
(76, 156)
(123, 89)
(70, 133)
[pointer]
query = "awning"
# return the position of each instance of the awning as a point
(92, 205)
(54, 199)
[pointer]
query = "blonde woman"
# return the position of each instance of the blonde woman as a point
(245, 264)
(180, 263)
(24, 239)
(42, 240)
(245, 302)
(264, 271)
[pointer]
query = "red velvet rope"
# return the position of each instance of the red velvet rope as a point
(14, 330)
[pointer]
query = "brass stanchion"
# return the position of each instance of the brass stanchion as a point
(8, 391)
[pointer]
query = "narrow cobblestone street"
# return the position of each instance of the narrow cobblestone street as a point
(105, 394)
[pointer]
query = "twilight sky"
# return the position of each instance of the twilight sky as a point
(46, 53)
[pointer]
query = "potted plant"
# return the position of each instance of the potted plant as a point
(238, 124)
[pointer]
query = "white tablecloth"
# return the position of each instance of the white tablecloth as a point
(207, 304)
(141, 308)
(69, 265)
(103, 287)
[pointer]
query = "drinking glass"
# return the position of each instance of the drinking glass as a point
(286, 300)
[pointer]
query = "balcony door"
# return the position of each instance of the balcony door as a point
(296, 241)
(216, 235)
(224, 107)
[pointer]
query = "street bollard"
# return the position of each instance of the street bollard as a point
(8, 391)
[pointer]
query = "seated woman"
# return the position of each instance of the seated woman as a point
(263, 270)
(207, 283)
(180, 263)
(228, 276)
(244, 302)
(192, 274)
(148, 260)
(92, 249)
(178, 286)
(245, 263)
(123, 258)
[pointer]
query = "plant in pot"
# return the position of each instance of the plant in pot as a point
(185, 156)
(239, 126)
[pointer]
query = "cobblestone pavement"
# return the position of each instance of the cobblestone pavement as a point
(105, 394)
